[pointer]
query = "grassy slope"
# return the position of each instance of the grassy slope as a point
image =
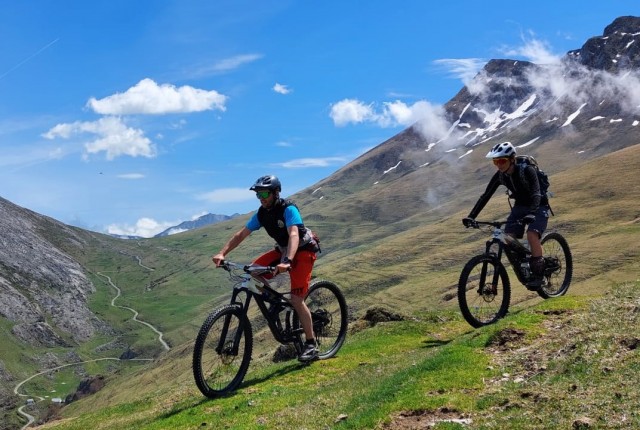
(433, 362)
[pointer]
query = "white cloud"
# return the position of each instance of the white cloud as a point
(350, 111)
(399, 113)
(462, 68)
(115, 138)
(198, 215)
(284, 144)
(144, 227)
(311, 162)
(227, 195)
(234, 62)
(131, 176)
(392, 114)
(281, 89)
(535, 51)
(147, 97)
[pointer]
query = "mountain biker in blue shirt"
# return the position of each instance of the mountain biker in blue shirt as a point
(295, 250)
(530, 206)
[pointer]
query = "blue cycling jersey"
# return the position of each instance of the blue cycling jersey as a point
(291, 217)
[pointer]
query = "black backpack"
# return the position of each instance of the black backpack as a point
(523, 161)
(271, 223)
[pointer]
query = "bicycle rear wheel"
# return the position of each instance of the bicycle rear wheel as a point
(222, 351)
(558, 266)
(329, 314)
(481, 301)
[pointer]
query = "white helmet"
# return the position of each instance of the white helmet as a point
(504, 149)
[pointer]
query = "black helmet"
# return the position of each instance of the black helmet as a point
(268, 182)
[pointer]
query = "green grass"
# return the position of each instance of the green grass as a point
(569, 360)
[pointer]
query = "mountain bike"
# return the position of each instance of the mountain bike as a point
(224, 343)
(484, 289)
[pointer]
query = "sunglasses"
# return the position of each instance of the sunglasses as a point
(500, 161)
(262, 194)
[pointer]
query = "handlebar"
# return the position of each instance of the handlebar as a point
(472, 223)
(477, 224)
(247, 268)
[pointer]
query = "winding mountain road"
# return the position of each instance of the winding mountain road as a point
(135, 313)
(30, 418)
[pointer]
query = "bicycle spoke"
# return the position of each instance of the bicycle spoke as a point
(329, 315)
(222, 352)
(558, 266)
(483, 291)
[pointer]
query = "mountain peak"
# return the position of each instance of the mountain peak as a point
(617, 49)
(623, 24)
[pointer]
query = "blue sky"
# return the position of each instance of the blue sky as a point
(132, 116)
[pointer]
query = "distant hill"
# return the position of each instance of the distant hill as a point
(202, 221)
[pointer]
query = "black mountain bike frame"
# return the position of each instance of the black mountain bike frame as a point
(255, 285)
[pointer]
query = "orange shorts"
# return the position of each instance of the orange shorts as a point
(300, 272)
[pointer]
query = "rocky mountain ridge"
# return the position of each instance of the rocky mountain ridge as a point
(43, 290)
(581, 107)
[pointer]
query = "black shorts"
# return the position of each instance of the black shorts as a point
(516, 229)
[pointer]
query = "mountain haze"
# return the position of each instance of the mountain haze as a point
(382, 218)
(201, 221)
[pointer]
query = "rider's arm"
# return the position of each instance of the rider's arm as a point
(233, 242)
(292, 219)
(493, 185)
(294, 241)
(292, 247)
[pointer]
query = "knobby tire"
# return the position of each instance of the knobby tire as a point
(219, 373)
(482, 304)
(557, 283)
(329, 314)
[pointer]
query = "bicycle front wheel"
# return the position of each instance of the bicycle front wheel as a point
(483, 291)
(329, 315)
(222, 351)
(558, 266)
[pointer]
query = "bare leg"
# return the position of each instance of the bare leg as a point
(534, 242)
(304, 314)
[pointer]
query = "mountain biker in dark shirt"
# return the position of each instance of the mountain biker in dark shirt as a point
(295, 250)
(530, 206)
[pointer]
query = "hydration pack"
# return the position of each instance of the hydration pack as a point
(523, 161)
(273, 222)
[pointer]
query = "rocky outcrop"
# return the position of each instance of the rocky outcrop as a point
(617, 49)
(43, 290)
(86, 388)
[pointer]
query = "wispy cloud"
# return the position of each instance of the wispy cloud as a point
(311, 162)
(535, 51)
(131, 176)
(227, 195)
(281, 89)
(225, 65)
(464, 69)
(28, 58)
(234, 62)
(29, 155)
(147, 97)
